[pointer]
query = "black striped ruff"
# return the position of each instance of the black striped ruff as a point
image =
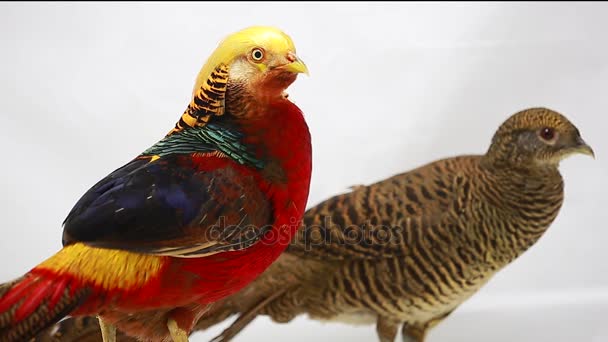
(208, 101)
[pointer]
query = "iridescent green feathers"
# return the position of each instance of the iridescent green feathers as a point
(213, 137)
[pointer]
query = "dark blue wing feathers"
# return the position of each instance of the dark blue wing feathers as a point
(150, 205)
(140, 202)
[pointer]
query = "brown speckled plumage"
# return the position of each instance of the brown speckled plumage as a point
(410, 249)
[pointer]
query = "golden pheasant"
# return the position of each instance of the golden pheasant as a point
(192, 219)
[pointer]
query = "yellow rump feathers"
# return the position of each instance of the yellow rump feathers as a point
(105, 268)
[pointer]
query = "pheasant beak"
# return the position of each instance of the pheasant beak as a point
(295, 65)
(583, 148)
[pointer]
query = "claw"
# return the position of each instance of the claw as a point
(177, 334)
(108, 331)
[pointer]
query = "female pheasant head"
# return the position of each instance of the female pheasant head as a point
(536, 138)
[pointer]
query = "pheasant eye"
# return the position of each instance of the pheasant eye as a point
(257, 54)
(547, 133)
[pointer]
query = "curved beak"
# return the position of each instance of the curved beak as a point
(295, 65)
(583, 148)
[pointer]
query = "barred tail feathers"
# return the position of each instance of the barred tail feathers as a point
(34, 302)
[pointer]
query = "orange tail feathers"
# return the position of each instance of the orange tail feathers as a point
(34, 302)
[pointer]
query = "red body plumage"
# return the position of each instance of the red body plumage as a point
(139, 249)
(184, 282)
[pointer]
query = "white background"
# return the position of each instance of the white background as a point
(86, 87)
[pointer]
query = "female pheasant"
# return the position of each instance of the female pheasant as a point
(407, 251)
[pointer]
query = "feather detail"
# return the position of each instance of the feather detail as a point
(214, 137)
(35, 302)
(104, 268)
(207, 101)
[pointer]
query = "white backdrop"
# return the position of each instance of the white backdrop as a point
(86, 87)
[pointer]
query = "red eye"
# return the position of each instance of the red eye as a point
(547, 133)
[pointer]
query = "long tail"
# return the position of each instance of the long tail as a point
(86, 328)
(34, 302)
(248, 304)
(246, 316)
(270, 294)
(73, 329)
(77, 329)
(274, 293)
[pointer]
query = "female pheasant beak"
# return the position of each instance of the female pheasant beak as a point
(583, 148)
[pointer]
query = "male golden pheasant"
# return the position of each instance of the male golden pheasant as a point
(192, 219)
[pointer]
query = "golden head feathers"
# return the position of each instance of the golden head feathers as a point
(260, 60)
(252, 40)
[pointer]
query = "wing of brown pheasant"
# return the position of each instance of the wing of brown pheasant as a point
(408, 250)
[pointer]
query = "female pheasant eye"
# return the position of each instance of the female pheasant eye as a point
(547, 133)
(257, 54)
